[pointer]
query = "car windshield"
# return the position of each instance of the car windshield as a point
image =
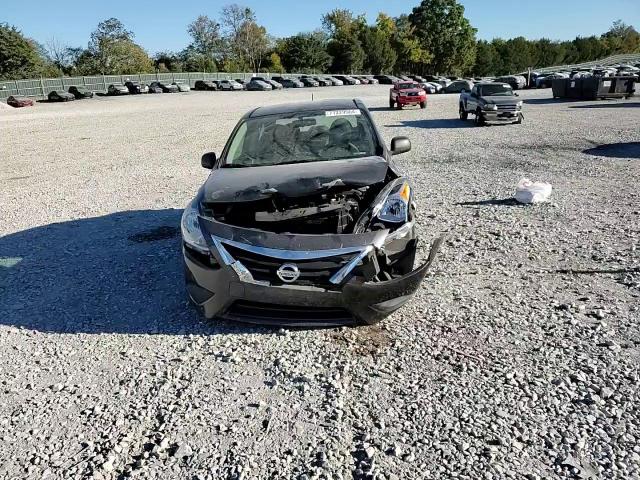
(497, 90)
(302, 137)
(403, 86)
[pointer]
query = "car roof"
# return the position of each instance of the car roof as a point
(332, 104)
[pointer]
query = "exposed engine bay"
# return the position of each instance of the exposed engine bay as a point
(334, 211)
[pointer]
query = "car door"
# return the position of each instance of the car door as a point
(472, 99)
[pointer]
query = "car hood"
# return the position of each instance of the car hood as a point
(405, 91)
(230, 185)
(500, 100)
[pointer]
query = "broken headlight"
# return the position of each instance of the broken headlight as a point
(395, 207)
(190, 227)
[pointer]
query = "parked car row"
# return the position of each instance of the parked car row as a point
(256, 83)
(76, 92)
(545, 80)
(263, 83)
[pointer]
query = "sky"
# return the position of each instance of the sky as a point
(161, 25)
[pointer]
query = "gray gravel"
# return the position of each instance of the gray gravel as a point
(518, 359)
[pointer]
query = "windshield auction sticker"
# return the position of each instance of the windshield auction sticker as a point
(341, 113)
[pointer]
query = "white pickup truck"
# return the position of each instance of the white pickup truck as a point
(491, 102)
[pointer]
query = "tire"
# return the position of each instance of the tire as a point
(423, 105)
(391, 103)
(480, 122)
(463, 113)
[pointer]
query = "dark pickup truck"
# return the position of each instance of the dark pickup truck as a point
(491, 102)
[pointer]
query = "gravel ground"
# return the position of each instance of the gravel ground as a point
(518, 359)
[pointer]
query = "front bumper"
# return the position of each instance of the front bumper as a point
(501, 117)
(411, 100)
(225, 288)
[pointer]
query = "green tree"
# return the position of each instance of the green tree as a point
(549, 53)
(521, 54)
(344, 44)
(255, 44)
(274, 63)
(485, 59)
(621, 38)
(193, 60)
(411, 56)
(443, 31)
(304, 52)
(207, 45)
(19, 56)
(247, 42)
(346, 52)
(112, 51)
(168, 62)
(380, 57)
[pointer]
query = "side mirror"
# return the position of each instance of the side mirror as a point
(400, 145)
(516, 94)
(208, 160)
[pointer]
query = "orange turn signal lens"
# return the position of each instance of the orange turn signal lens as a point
(405, 192)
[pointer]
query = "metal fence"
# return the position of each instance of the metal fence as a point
(41, 87)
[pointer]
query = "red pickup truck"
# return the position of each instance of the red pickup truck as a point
(407, 93)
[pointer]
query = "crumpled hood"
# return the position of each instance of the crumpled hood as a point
(294, 180)
(501, 100)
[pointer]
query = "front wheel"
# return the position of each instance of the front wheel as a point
(463, 113)
(423, 105)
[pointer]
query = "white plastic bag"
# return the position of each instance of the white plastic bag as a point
(532, 192)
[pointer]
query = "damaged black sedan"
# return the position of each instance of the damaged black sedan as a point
(303, 221)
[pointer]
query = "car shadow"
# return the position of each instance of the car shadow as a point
(545, 101)
(119, 273)
(616, 150)
(610, 105)
(435, 123)
(502, 202)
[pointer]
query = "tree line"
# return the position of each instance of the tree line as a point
(434, 38)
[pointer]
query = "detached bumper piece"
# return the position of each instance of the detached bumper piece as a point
(303, 280)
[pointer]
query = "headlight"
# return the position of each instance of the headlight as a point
(519, 104)
(191, 233)
(491, 107)
(395, 208)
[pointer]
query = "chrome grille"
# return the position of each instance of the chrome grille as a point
(316, 272)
